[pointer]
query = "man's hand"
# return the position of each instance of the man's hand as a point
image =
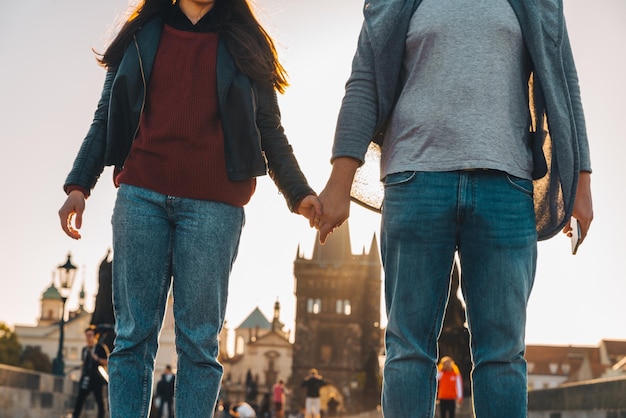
(583, 206)
(335, 197)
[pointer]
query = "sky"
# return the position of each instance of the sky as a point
(49, 87)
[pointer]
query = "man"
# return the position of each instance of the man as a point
(313, 383)
(165, 392)
(94, 356)
(461, 95)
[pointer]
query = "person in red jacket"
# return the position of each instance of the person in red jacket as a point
(449, 388)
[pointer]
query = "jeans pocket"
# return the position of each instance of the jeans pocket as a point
(521, 184)
(397, 179)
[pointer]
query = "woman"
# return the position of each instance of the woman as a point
(188, 116)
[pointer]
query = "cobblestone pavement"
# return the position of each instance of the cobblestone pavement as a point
(371, 414)
(463, 412)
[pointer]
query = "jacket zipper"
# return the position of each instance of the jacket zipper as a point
(145, 87)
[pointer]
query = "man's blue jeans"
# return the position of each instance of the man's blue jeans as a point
(161, 242)
(487, 217)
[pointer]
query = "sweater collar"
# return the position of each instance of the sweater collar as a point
(177, 19)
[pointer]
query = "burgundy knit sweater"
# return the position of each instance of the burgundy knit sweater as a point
(179, 149)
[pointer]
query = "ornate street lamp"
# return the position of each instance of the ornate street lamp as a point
(67, 272)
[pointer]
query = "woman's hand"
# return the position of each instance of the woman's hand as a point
(71, 214)
(311, 208)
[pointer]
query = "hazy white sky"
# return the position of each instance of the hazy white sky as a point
(50, 84)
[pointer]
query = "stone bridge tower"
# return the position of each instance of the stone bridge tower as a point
(337, 325)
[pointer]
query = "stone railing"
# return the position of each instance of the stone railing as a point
(600, 398)
(28, 394)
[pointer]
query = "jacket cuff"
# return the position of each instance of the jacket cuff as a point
(71, 187)
(296, 202)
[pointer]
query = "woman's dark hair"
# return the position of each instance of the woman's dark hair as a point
(249, 44)
(145, 11)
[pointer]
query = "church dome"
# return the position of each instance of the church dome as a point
(52, 293)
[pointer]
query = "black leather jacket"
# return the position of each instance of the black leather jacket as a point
(253, 135)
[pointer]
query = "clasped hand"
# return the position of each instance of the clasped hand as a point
(326, 212)
(335, 198)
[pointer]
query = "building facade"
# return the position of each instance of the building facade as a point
(552, 366)
(263, 355)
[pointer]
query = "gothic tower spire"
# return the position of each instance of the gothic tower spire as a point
(337, 248)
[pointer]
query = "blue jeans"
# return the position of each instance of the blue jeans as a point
(487, 217)
(161, 242)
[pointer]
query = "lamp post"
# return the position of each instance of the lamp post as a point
(67, 272)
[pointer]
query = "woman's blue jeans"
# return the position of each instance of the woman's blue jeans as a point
(160, 242)
(487, 217)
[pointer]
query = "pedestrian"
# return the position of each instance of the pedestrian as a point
(313, 382)
(333, 405)
(265, 409)
(94, 357)
(449, 387)
(476, 107)
(279, 395)
(165, 392)
(189, 118)
(242, 410)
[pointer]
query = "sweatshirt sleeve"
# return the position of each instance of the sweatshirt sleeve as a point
(576, 102)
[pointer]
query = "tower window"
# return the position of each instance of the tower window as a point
(314, 306)
(343, 307)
